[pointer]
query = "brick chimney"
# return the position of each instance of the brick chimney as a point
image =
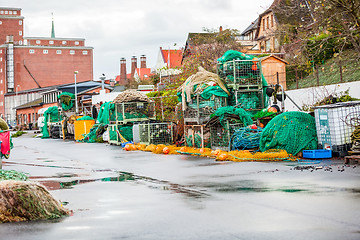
(133, 65)
(122, 71)
(220, 29)
(143, 61)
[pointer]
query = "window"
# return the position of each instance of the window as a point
(45, 51)
(51, 42)
(58, 51)
(272, 20)
(72, 52)
(0, 59)
(38, 42)
(14, 12)
(20, 22)
(0, 69)
(76, 43)
(6, 12)
(1, 12)
(10, 12)
(20, 33)
(1, 81)
(1, 92)
(267, 46)
(0, 22)
(63, 42)
(31, 51)
(0, 51)
(1, 104)
(264, 24)
(20, 42)
(85, 52)
(267, 23)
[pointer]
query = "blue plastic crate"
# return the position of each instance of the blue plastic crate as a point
(319, 153)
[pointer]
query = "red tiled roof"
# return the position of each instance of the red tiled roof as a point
(175, 57)
(143, 71)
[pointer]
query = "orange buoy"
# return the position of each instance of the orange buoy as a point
(183, 149)
(216, 152)
(202, 150)
(166, 150)
(127, 147)
(223, 156)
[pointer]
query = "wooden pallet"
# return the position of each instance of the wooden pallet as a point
(348, 159)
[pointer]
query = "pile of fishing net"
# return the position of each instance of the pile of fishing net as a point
(95, 134)
(67, 100)
(106, 113)
(291, 131)
(3, 125)
(26, 201)
(355, 139)
(235, 114)
(50, 115)
(246, 138)
(131, 95)
(220, 155)
(12, 175)
(204, 83)
(85, 118)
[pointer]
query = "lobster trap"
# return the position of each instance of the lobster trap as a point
(241, 72)
(197, 136)
(119, 134)
(199, 110)
(134, 111)
(156, 133)
(251, 100)
(220, 135)
(334, 125)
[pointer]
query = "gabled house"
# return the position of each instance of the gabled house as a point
(280, 13)
(248, 37)
(168, 62)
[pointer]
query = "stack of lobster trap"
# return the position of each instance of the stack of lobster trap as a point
(244, 81)
(124, 116)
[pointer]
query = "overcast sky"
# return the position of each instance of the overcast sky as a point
(123, 28)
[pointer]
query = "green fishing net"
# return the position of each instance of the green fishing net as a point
(291, 131)
(66, 100)
(85, 118)
(223, 113)
(106, 113)
(50, 115)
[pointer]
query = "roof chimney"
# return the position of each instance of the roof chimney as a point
(220, 29)
(143, 61)
(133, 65)
(122, 71)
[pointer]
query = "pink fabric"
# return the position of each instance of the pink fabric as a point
(5, 142)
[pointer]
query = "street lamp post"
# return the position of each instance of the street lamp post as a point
(102, 78)
(76, 102)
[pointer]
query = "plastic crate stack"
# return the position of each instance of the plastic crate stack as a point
(244, 81)
(334, 126)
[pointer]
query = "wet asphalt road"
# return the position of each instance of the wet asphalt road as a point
(138, 195)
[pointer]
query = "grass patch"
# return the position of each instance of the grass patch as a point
(329, 72)
(17, 134)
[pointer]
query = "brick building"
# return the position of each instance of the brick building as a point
(28, 63)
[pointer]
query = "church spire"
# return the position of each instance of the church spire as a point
(52, 27)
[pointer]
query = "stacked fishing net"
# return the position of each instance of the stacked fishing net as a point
(106, 113)
(204, 83)
(50, 115)
(67, 100)
(131, 95)
(246, 138)
(233, 113)
(291, 131)
(95, 134)
(25, 201)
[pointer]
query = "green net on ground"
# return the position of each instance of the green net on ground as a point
(291, 131)
(12, 175)
(224, 112)
(67, 100)
(106, 113)
(95, 133)
(50, 115)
